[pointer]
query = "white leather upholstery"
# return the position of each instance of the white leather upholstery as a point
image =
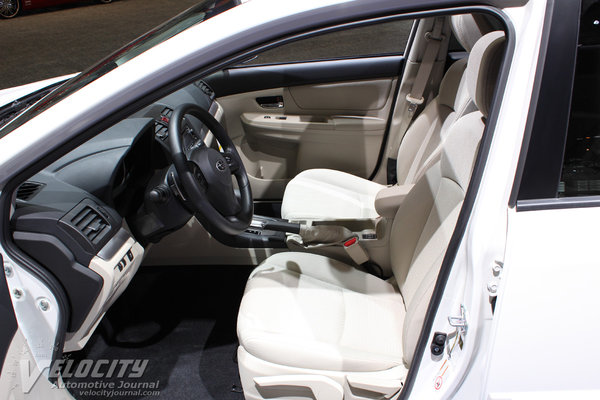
(320, 194)
(483, 70)
(425, 221)
(307, 312)
(468, 28)
(329, 194)
(420, 147)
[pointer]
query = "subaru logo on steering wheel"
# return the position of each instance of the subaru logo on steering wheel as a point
(221, 165)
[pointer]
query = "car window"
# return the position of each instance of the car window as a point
(581, 166)
(384, 38)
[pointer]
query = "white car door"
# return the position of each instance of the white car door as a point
(548, 306)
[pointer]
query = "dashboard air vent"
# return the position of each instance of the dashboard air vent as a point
(28, 190)
(89, 222)
(207, 90)
(166, 112)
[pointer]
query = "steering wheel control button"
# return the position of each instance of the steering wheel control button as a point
(231, 161)
(438, 343)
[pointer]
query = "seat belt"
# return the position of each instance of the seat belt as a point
(434, 40)
(415, 97)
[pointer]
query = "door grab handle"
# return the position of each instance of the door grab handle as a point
(270, 101)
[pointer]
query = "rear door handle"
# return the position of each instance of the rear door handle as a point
(270, 101)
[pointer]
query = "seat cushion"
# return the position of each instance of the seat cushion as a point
(329, 194)
(309, 311)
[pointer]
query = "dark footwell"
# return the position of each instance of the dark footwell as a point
(171, 335)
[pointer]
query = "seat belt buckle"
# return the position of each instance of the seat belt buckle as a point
(356, 252)
(414, 102)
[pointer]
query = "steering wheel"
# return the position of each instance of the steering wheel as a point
(205, 175)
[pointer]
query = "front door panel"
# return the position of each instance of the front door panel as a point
(315, 121)
(317, 101)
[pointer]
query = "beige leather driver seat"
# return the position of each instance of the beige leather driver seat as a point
(313, 327)
(319, 194)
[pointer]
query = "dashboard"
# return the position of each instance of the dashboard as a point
(86, 217)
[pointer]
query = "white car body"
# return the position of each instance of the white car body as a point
(537, 344)
(12, 94)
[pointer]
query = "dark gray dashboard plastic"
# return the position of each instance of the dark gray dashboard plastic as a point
(48, 236)
(190, 94)
(40, 230)
(92, 165)
(81, 284)
(43, 224)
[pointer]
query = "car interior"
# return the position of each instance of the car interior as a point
(276, 228)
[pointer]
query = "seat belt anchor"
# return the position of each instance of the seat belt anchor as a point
(429, 36)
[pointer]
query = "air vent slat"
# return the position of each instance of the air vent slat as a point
(86, 222)
(89, 222)
(28, 190)
(94, 234)
(167, 112)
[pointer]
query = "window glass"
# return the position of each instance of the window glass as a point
(581, 167)
(373, 40)
(204, 10)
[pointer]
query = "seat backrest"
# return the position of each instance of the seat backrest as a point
(426, 219)
(420, 146)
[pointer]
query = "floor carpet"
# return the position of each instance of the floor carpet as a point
(182, 321)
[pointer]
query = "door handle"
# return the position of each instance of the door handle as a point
(270, 101)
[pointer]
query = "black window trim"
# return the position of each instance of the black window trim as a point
(539, 170)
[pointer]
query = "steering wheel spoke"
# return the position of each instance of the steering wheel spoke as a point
(197, 172)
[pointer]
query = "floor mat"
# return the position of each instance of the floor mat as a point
(170, 336)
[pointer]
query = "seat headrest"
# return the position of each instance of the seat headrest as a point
(469, 28)
(483, 68)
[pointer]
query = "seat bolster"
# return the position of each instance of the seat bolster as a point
(329, 194)
(327, 270)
